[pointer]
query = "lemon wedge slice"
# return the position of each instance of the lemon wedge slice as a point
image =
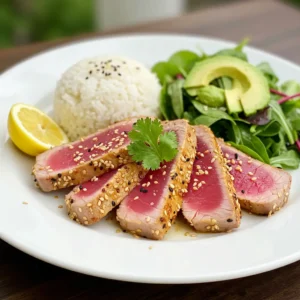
(32, 131)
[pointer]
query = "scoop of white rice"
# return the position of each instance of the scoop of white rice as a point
(97, 92)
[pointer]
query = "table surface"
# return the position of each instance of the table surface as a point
(272, 26)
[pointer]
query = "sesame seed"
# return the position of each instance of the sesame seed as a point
(89, 205)
(213, 159)
(135, 198)
(155, 182)
(253, 178)
(250, 174)
(106, 197)
(148, 219)
(102, 211)
(157, 232)
(164, 173)
(84, 189)
(84, 218)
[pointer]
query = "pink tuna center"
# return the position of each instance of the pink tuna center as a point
(205, 190)
(146, 196)
(89, 149)
(96, 185)
(249, 177)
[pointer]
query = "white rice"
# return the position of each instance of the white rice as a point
(97, 92)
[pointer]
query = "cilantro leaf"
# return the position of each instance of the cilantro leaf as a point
(150, 145)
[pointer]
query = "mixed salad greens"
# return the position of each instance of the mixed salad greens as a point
(270, 135)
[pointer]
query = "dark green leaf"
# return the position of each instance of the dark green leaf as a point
(279, 146)
(175, 93)
(188, 116)
(278, 115)
(247, 150)
(287, 160)
(270, 129)
(205, 120)
(256, 145)
(165, 104)
(212, 112)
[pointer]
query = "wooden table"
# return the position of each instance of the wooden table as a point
(272, 26)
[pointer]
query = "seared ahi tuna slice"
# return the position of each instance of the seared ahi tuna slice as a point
(260, 188)
(152, 206)
(210, 205)
(77, 162)
(89, 202)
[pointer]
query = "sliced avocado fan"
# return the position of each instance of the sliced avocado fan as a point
(250, 90)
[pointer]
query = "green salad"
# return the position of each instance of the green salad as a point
(242, 103)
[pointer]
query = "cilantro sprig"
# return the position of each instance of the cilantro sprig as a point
(150, 145)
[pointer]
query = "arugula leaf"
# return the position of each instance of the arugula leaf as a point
(278, 115)
(150, 145)
(164, 70)
(269, 74)
(212, 112)
(288, 160)
(184, 60)
(175, 92)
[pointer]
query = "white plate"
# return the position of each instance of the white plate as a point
(43, 230)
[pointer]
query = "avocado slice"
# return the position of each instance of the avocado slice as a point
(233, 98)
(250, 91)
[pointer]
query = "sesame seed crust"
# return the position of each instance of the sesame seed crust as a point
(216, 220)
(104, 199)
(49, 180)
(158, 222)
(270, 201)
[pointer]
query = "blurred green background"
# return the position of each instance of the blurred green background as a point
(23, 21)
(27, 21)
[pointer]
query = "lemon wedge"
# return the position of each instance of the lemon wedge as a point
(32, 131)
